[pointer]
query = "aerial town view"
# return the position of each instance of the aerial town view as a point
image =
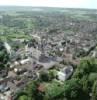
(48, 53)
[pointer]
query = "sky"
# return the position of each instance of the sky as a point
(92, 4)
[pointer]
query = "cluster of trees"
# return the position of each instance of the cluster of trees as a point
(29, 92)
(12, 21)
(86, 73)
(82, 85)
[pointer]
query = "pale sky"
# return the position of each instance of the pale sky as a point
(53, 3)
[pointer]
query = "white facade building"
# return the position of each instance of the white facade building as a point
(65, 73)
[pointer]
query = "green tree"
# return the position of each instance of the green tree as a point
(73, 90)
(85, 84)
(23, 97)
(31, 90)
(94, 91)
(92, 78)
(85, 67)
(29, 93)
(4, 57)
(52, 74)
(44, 76)
(54, 91)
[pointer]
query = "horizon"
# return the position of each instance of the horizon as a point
(81, 4)
(46, 7)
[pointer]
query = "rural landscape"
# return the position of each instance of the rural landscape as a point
(48, 53)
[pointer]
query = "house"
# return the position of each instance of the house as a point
(14, 65)
(17, 63)
(3, 87)
(65, 73)
(3, 73)
(19, 70)
(6, 96)
(24, 61)
(61, 76)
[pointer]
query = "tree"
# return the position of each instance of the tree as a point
(94, 91)
(73, 90)
(85, 84)
(44, 76)
(54, 91)
(4, 57)
(52, 74)
(92, 78)
(85, 67)
(29, 93)
(31, 89)
(23, 97)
